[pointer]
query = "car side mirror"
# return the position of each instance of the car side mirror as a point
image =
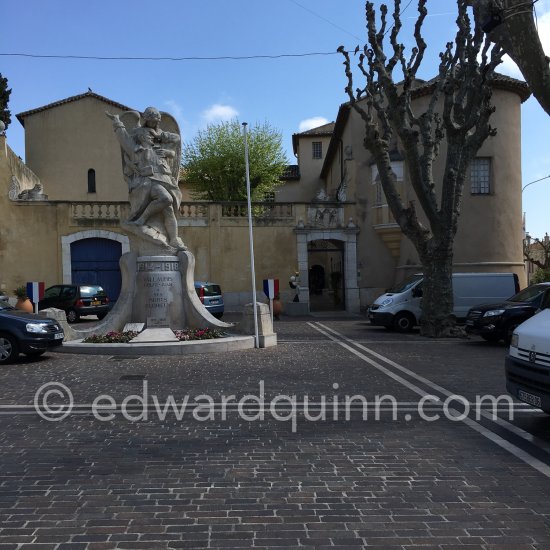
(417, 292)
(545, 304)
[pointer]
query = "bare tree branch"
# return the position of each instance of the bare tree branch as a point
(459, 109)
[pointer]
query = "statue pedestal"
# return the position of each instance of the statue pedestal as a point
(159, 292)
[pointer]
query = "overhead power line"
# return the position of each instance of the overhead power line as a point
(188, 58)
(325, 19)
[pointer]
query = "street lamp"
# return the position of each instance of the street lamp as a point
(531, 182)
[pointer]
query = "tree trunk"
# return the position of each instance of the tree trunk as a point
(518, 36)
(437, 296)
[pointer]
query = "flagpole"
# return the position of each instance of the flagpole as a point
(250, 236)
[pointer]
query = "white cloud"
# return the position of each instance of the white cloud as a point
(508, 67)
(219, 112)
(312, 122)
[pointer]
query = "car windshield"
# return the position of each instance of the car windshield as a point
(90, 291)
(5, 305)
(405, 285)
(529, 294)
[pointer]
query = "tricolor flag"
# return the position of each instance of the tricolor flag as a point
(35, 291)
(271, 288)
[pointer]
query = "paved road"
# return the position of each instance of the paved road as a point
(123, 477)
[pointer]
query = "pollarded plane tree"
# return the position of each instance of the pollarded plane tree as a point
(458, 112)
(512, 24)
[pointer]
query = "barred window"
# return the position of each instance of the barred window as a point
(480, 176)
(269, 196)
(317, 149)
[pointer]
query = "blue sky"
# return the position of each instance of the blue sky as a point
(287, 92)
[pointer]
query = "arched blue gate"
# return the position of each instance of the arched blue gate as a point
(95, 262)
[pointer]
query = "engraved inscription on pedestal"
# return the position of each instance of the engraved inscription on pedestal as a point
(159, 291)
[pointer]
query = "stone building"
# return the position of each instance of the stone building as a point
(60, 210)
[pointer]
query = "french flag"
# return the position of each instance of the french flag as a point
(35, 291)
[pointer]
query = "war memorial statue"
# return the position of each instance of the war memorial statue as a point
(158, 291)
(151, 156)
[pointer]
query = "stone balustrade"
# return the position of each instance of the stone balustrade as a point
(194, 210)
(203, 214)
(97, 211)
(268, 210)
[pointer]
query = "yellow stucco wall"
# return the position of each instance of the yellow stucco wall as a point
(489, 236)
(31, 235)
(27, 250)
(310, 183)
(64, 142)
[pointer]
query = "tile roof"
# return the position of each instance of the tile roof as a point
(324, 130)
(21, 116)
(498, 80)
(321, 131)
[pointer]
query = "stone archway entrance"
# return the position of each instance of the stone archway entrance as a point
(326, 275)
(320, 253)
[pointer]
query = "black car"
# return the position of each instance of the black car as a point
(495, 322)
(77, 300)
(28, 333)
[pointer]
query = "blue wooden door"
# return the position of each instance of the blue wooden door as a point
(95, 262)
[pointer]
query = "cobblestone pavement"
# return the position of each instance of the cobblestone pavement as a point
(202, 481)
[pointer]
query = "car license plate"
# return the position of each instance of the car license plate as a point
(534, 400)
(212, 302)
(58, 336)
(96, 302)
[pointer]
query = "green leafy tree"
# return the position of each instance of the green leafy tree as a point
(4, 100)
(213, 164)
(540, 276)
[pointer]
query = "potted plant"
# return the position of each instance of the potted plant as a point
(23, 302)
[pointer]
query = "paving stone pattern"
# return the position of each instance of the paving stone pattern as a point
(83, 483)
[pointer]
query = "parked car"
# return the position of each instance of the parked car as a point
(210, 294)
(400, 308)
(528, 361)
(494, 322)
(28, 333)
(77, 300)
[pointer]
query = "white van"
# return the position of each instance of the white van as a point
(528, 361)
(400, 307)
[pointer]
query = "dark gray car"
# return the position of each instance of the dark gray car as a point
(28, 333)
